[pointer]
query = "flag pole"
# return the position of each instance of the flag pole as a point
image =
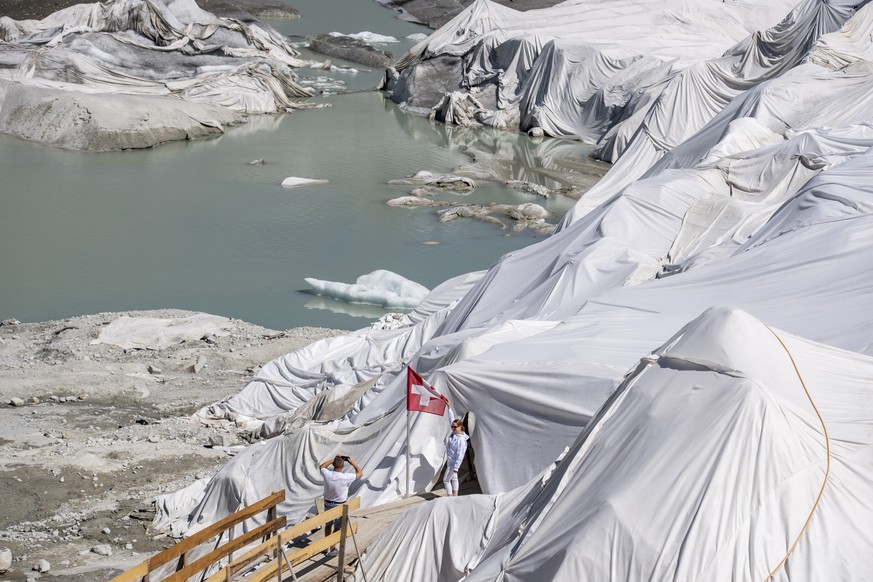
(407, 452)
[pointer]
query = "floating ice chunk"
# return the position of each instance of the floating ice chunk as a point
(293, 182)
(417, 36)
(381, 287)
(368, 37)
(351, 70)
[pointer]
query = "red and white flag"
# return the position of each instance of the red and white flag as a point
(421, 396)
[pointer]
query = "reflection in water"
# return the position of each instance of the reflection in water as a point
(352, 309)
(502, 155)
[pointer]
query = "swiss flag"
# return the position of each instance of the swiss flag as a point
(421, 396)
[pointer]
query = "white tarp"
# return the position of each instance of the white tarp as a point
(768, 209)
(155, 333)
(717, 452)
(637, 77)
(154, 47)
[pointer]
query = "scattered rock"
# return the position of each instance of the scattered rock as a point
(221, 440)
(9, 322)
(198, 365)
(154, 438)
(529, 187)
(409, 201)
(350, 49)
(106, 531)
(154, 369)
(457, 184)
(34, 400)
(16, 401)
(528, 211)
(5, 559)
(42, 566)
(102, 550)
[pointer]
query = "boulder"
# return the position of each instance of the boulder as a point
(5, 560)
(350, 49)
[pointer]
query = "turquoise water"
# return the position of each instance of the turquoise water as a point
(192, 225)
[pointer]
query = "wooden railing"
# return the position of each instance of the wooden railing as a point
(272, 546)
(281, 561)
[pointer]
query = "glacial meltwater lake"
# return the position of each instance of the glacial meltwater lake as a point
(192, 225)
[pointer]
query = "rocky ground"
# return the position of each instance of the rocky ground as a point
(91, 433)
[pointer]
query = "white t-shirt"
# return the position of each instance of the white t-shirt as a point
(336, 485)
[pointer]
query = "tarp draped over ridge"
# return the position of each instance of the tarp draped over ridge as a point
(706, 464)
(154, 47)
(288, 382)
(694, 96)
(534, 387)
(637, 77)
(768, 208)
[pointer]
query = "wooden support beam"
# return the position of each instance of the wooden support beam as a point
(142, 570)
(214, 556)
(288, 535)
(273, 568)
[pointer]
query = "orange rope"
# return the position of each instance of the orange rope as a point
(827, 468)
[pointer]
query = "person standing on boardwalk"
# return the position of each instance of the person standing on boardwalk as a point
(336, 489)
(456, 447)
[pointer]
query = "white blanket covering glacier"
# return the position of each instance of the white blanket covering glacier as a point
(717, 452)
(140, 67)
(707, 460)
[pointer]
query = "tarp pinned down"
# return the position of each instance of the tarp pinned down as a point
(635, 77)
(769, 208)
(287, 383)
(535, 385)
(154, 48)
(717, 453)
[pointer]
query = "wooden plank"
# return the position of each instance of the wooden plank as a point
(289, 535)
(341, 560)
(266, 549)
(215, 529)
(215, 555)
(299, 556)
(135, 574)
(319, 520)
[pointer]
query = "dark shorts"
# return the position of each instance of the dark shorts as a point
(338, 522)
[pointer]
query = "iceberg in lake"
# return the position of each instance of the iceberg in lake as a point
(368, 37)
(675, 385)
(383, 288)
